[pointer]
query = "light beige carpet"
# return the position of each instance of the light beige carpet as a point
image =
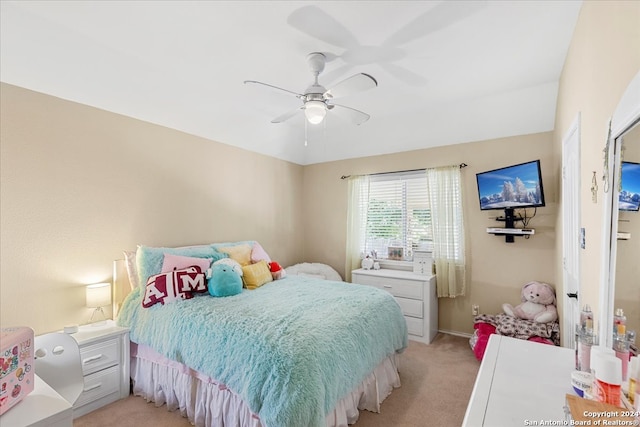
(437, 380)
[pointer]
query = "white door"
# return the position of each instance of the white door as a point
(571, 239)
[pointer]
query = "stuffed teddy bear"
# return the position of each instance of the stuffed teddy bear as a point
(225, 281)
(538, 303)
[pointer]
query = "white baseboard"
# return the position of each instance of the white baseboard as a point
(456, 333)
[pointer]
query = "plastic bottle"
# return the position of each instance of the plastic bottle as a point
(586, 318)
(619, 324)
(636, 398)
(597, 352)
(634, 372)
(608, 379)
(622, 352)
(585, 342)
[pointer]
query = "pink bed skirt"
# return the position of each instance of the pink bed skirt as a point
(207, 402)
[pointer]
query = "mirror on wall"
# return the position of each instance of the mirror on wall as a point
(620, 280)
(627, 265)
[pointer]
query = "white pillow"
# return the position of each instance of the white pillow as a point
(316, 269)
(316, 276)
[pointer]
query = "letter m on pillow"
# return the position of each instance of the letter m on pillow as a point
(174, 285)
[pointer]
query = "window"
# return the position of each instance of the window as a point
(406, 211)
(397, 214)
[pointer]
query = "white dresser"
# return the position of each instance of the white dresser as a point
(415, 293)
(43, 407)
(104, 351)
(520, 383)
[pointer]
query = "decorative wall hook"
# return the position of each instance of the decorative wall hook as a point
(605, 171)
(594, 188)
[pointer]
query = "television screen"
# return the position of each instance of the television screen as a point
(629, 199)
(517, 186)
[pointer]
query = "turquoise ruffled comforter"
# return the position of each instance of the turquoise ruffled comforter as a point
(291, 348)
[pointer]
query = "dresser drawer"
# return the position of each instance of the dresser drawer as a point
(99, 384)
(415, 294)
(410, 307)
(415, 326)
(100, 355)
(396, 287)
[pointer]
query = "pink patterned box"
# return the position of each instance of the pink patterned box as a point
(16, 365)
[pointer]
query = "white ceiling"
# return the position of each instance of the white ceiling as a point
(447, 71)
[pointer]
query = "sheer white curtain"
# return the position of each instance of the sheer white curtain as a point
(358, 198)
(445, 200)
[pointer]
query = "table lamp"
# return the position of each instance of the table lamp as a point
(98, 296)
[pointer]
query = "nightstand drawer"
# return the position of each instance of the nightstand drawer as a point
(100, 355)
(98, 385)
(396, 287)
(410, 307)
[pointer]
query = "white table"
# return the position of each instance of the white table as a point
(43, 407)
(520, 381)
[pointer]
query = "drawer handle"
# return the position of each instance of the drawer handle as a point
(91, 359)
(387, 286)
(93, 387)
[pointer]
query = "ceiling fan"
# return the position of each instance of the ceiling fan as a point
(317, 101)
(313, 21)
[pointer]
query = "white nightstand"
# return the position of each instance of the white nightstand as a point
(104, 351)
(415, 293)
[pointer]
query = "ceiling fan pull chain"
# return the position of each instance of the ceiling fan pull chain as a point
(324, 129)
(305, 132)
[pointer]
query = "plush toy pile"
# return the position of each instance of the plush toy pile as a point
(222, 270)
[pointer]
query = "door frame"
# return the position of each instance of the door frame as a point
(571, 205)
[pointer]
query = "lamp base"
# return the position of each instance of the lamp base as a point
(98, 322)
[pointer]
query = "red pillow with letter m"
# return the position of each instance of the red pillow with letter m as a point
(174, 285)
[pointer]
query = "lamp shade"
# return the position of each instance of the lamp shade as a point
(314, 111)
(98, 295)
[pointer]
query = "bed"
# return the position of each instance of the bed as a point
(299, 351)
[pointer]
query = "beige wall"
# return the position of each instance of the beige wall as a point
(79, 185)
(497, 270)
(603, 57)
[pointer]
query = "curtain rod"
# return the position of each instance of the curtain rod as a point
(461, 165)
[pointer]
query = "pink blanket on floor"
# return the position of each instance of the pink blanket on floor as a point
(485, 325)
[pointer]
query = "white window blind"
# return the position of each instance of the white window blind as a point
(397, 214)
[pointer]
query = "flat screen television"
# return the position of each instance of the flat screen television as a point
(629, 198)
(511, 187)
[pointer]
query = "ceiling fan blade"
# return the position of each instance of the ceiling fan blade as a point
(437, 18)
(315, 22)
(338, 73)
(299, 95)
(356, 117)
(401, 73)
(356, 83)
(286, 116)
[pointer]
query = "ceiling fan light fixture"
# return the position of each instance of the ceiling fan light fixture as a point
(315, 111)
